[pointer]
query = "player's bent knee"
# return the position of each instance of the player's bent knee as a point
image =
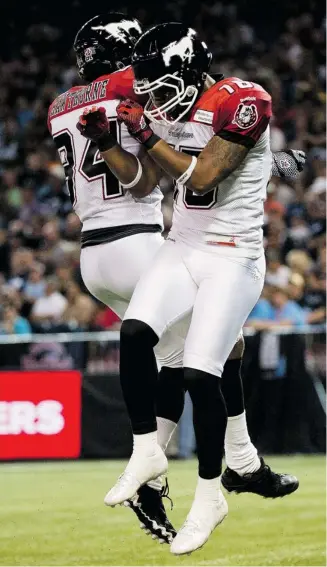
(192, 375)
(137, 331)
(201, 385)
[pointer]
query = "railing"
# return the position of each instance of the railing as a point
(113, 336)
(284, 377)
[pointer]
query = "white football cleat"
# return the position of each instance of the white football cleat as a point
(140, 469)
(199, 524)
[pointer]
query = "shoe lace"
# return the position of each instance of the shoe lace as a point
(164, 493)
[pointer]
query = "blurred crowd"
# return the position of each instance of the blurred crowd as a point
(40, 283)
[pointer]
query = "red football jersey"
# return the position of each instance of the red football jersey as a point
(231, 214)
(118, 85)
(96, 194)
(240, 111)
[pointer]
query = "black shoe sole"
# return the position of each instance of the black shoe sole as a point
(149, 528)
(292, 487)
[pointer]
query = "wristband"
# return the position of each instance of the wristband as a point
(106, 142)
(150, 142)
(136, 179)
(187, 174)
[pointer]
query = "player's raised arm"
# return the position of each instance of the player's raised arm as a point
(237, 129)
(237, 126)
(216, 162)
(137, 174)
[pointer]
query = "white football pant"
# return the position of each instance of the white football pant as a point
(111, 271)
(221, 291)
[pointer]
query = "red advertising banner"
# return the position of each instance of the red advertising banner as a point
(40, 414)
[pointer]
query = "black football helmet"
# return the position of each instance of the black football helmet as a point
(104, 44)
(170, 63)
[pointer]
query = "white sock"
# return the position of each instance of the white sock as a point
(207, 491)
(146, 443)
(240, 453)
(165, 430)
(157, 483)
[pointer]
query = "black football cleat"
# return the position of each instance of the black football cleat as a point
(149, 508)
(264, 482)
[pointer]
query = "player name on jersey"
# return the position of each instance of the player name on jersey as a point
(96, 195)
(82, 95)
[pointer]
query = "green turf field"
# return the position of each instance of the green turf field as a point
(52, 514)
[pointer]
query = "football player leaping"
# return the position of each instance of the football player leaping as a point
(121, 230)
(121, 221)
(217, 149)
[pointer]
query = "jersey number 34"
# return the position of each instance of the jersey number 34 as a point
(91, 166)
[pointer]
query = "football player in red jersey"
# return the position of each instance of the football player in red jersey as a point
(121, 220)
(212, 263)
(111, 218)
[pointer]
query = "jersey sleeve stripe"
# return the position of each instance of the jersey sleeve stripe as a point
(236, 138)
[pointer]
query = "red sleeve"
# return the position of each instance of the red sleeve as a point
(122, 85)
(243, 116)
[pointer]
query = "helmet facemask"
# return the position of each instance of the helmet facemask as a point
(169, 100)
(170, 65)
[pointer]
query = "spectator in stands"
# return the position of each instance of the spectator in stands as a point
(48, 310)
(80, 308)
(279, 307)
(298, 233)
(64, 273)
(85, 313)
(11, 191)
(277, 274)
(286, 311)
(35, 284)
(12, 323)
(30, 206)
(9, 142)
(296, 287)
(299, 262)
(54, 249)
(22, 260)
(37, 225)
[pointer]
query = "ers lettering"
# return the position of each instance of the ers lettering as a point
(40, 414)
(44, 418)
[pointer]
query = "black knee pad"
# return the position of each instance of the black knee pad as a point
(138, 332)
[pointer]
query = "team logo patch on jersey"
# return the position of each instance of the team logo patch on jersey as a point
(204, 116)
(246, 115)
